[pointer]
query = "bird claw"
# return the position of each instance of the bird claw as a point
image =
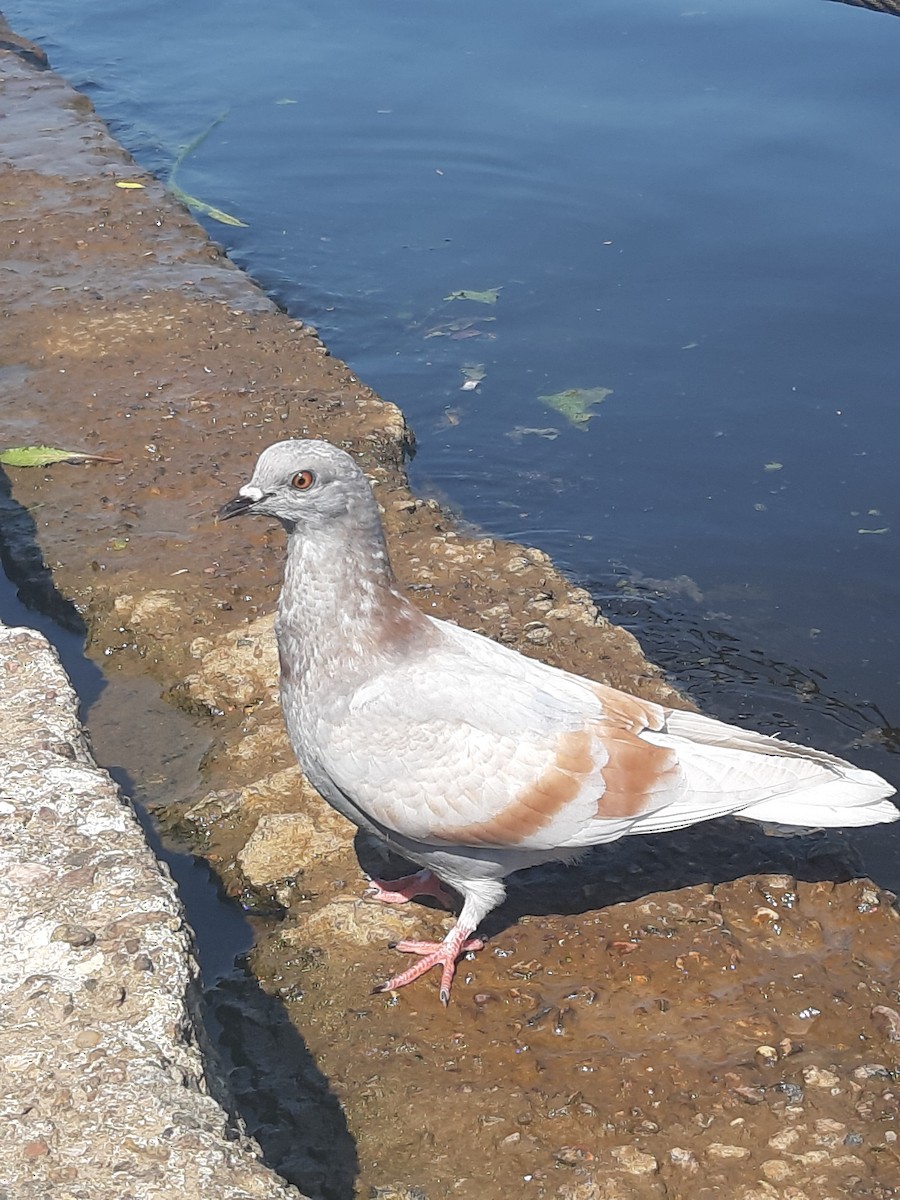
(401, 891)
(443, 954)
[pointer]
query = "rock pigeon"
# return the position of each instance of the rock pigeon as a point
(469, 759)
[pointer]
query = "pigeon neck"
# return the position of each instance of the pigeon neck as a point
(340, 605)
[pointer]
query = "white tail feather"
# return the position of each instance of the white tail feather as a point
(826, 816)
(731, 770)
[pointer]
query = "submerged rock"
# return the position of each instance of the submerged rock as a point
(282, 843)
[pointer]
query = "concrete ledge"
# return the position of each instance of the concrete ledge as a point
(104, 1090)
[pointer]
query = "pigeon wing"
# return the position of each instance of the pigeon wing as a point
(497, 750)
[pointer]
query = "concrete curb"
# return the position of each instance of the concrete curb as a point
(104, 1086)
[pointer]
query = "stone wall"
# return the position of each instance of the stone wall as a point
(104, 1086)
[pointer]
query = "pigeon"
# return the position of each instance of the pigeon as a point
(469, 759)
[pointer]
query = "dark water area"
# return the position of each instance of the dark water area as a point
(691, 206)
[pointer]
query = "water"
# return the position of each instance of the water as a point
(691, 206)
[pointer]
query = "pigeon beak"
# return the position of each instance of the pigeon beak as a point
(234, 508)
(242, 503)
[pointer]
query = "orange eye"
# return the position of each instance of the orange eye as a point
(303, 481)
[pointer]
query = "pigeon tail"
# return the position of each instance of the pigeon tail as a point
(761, 778)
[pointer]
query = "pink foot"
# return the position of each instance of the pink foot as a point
(400, 891)
(444, 954)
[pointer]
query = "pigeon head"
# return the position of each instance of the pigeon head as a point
(306, 485)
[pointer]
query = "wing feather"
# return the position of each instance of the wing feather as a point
(489, 748)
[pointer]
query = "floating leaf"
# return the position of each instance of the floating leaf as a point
(490, 296)
(575, 403)
(773, 466)
(522, 431)
(128, 185)
(46, 456)
(472, 376)
(216, 214)
(464, 327)
(118, 543)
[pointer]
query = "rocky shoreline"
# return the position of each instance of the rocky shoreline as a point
(744, 1046)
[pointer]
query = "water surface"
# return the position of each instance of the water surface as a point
(691, 206)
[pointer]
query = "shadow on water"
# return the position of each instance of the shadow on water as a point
(280, 1094)
(153, 752)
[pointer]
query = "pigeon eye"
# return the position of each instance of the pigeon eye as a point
(303, 481)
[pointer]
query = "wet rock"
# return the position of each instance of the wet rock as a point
(280, 792)
(631, 1188)
(766, 1056)
(282, 843)
(818, 1077)
(254, 752)
(725, 1151)
(685, 1160)
(887, 1022)
(239, 671)
(634, 1161)
(398, 1191)
(152, 623)
(776, 1170)
(538, 633)
(213, 807)
(572, 1156)
(829, 1132)
(586, 613)
(354, 921)
(873, 1071)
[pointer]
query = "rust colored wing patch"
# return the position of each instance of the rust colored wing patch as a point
(535, 806)
(400, 628)
(636, 773)
(629, 712)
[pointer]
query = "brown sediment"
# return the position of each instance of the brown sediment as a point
(731, 1052)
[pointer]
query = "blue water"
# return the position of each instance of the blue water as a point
(695, 207)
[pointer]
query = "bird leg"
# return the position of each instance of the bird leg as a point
(444, 954)
(400, 891)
